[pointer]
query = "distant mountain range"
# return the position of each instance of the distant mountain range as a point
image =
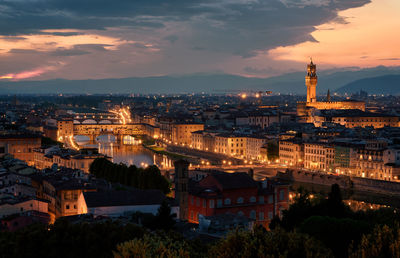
(373, 80)
(386, 84)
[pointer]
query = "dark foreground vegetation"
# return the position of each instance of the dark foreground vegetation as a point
(148, 178)
(312, 227)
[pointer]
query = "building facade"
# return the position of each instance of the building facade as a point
(319, 156)
(237, 193)
(291, 153)
(20, 145)
(182, 133)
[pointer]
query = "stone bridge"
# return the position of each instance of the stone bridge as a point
(118, 130)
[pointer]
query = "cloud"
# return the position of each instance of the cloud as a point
(159, 37)
(27, 74)
(171, 38)
(390, 59)
(256, 71)
(69, 52)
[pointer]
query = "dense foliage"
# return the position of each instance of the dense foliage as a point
(272, 151)
(154, 246)
(311, 227)
(277, 243)
(383, 241)
(332, 222)
(163, 220)
(65, 239)
(148, 178)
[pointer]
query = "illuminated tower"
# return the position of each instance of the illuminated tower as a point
(311, 82)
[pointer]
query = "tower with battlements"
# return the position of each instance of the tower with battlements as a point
(305, 108)
(311, 82)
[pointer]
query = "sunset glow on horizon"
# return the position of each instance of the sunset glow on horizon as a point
(368, 38)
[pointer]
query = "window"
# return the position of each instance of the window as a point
(240, 200)
(270, 215)
(261, 215)
(219, 202)
(253, 199)
(198, 202)
(270, 199)
(204, 203)
(227, 201)
(253, 214)
(211, 204)
(67, 206)
(282, 195)
(240, 213)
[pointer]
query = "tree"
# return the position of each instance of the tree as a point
(164, 219)
(272, 151)
(65, 239)
(382, 242)
(300, 210)
(152, 246)
(260, 243)
(336, 233)
(149, 178)
(335, 205)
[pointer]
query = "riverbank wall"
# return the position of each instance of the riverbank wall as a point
(388, 188)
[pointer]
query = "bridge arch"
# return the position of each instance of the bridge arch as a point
(106, 138)
(76, 122)
(89, 121)
(105, 122)
(81, 139)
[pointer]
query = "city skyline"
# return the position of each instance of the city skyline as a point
(43, 40)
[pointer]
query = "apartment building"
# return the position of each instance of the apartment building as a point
(291, 152)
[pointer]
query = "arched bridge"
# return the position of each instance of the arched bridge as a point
(119, 130)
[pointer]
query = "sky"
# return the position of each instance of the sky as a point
(94, 39)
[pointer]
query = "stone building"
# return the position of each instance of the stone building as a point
(20, 145)
(306, 109)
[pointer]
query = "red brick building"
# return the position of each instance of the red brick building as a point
(237, 193)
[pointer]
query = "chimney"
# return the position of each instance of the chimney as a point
(251, 173)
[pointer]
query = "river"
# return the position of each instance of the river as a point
(128, 154)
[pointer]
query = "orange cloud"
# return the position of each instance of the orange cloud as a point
(369, 38)
(49, 42)
(27, 74)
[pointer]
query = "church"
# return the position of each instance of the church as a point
(307, 109)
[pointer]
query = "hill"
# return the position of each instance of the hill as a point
(213, 83)
(387, 84)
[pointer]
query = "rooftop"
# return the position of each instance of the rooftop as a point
(123, 198)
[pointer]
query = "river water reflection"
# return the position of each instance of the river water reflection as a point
(130, 154)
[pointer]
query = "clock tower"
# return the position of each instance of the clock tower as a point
(311, 82)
